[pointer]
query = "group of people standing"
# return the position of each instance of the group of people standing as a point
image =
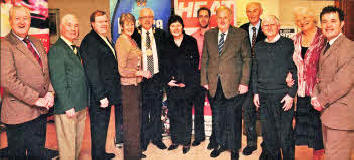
(248, 68)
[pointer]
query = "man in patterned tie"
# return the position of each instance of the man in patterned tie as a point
(150, 40)
(225, 72)
(255, 34)
(27, 90)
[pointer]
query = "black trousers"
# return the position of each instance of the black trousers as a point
(29, 136)
(277, 128)
(151, 127)
(228, 119)
(198, 101)
(131, 98)
(99, 120)
(250, 118)
(118, 111)
(180, 114)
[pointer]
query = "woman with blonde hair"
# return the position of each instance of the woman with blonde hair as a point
(131, 73)
(308, 44)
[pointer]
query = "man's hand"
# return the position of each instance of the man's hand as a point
(242, 89)
(256, 101)
(172, 83)
(289, 80)
(104, 103)
(42, 102)
(288, 102)
(181, 85)
(316, 104)
(49, 96)
(206, 87)
(70, 113)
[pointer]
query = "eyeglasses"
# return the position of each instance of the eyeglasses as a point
(146, 17)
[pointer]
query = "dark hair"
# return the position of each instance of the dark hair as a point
(96, 14)
(331, 9)
(173, 19)
(204, 9)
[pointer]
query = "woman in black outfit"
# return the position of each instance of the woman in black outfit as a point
(180, 63)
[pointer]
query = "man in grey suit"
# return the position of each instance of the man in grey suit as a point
(225, 72)
(333, 94)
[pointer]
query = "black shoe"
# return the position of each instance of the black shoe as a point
(216, 152)
(186, 149)
(197, 142)
(172, 147)
(109, 155)
(142, 156)
(159, 144)
(211, 146)
(234, 155)
(249, 149)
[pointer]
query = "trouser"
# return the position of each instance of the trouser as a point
(70, 132)
(99, 120)
(228, 119)
(250, 119)
(118, 112)
(131, 98)
(27, 137)
(339, 144)
(198, 101)
(277, 127)
(151, 127)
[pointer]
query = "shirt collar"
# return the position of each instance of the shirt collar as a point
(66, 41)
(219, 33)
(144, 30)
(257, 25)
(20, 38)
(277, 37)
(334, 39)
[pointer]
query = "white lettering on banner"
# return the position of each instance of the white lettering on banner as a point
(197, 6)
(192, 8)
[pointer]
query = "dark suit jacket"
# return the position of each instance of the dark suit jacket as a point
(260, 35)
(23, 80)
(181, 64)
(160, 38)
(68, 78)
(232, 66)
(101, 68)
(335, 85)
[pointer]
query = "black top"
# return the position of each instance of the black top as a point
(260, 35)
(181, 63)
(272, 63)
(303, 51)
(101, 68)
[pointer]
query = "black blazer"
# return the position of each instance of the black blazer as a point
(101, 68)
(260, 35)
(160, 38)
(181, 63)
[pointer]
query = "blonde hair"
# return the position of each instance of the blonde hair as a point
(125, 17)
(301, 11)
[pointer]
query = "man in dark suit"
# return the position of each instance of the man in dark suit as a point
(225, 72)
(27, 90)
(100, 63)
(333, 94)
(150, 40)
(255, 34)
(69, 81)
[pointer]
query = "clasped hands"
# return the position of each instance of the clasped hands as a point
(46, 102)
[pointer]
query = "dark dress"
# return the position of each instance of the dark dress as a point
(308, 128)
(181, 64)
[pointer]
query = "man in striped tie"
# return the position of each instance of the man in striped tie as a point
(225, 72)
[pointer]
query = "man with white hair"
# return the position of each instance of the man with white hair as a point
(272, 62)
(69, 81)
(150, 40)
(27, 90)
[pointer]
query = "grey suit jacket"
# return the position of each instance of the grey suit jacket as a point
(232, 66)
(23, 80)
(334, 89)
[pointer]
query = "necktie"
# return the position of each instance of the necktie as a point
(254, 37)
(74, 49)
(327, 47)
(221, 43)
(29, 46)
(150, 58)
